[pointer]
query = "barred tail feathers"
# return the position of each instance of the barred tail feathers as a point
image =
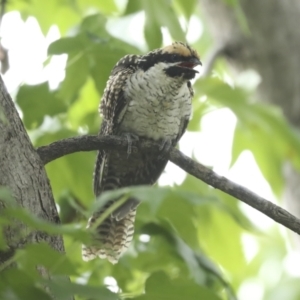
(112, 239)
(115, 233)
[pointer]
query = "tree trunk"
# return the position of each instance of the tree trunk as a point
(23, 173)
(272, 49)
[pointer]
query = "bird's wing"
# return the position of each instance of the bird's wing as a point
(114, 103)
(112, 108)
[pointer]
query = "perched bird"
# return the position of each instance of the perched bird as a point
(146, 96)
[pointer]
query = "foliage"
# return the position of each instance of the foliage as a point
(188, 238)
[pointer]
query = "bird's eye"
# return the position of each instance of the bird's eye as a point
(173, 57)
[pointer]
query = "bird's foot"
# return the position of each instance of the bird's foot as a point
(165, 147)
(131, 137)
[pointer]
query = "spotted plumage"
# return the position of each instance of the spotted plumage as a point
(147, 96)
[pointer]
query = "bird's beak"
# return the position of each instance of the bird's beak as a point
(191, 63)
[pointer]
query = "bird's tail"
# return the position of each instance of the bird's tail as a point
(113, 235)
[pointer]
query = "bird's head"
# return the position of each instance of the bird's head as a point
(176, 60)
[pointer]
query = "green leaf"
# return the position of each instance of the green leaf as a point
(83, 113)
(160, 13)
(75, 175)
(218, 215)
(213, 227)
(159, 286)
(66, 45)
(95, 25)
(42, 254)
(152, 196)
(33, 222)
(37, 101)
(47, 13)
(188, 255)
(152, 30)
(230, 206)
(63, 289)
(133, 6)
(200, 108)
(106, 7)
(187, 6)
(152, 33)
(18, 285)
(215, 89)
(199, 266)
(103, 57)
(268, 158)
(76, 74)
(71, 209)
(175, 208)
(62, 13)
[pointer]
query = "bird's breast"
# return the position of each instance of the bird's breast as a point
(156, 106)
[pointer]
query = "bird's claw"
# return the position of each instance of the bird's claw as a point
(165, 147)
(131, 137)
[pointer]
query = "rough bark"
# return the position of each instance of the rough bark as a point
(272, 49)
(23, 173)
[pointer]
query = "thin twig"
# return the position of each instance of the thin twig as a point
(90, 143)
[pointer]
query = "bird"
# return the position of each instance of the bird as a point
(146, 97)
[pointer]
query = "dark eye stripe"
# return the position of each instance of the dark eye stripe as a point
(149, 60)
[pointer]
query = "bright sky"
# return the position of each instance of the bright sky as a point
(212, 146)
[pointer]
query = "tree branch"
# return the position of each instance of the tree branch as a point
(90, 142)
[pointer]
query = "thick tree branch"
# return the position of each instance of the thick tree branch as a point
(23, 173)
(89, 143)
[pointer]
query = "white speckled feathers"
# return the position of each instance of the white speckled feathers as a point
(158, 104)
